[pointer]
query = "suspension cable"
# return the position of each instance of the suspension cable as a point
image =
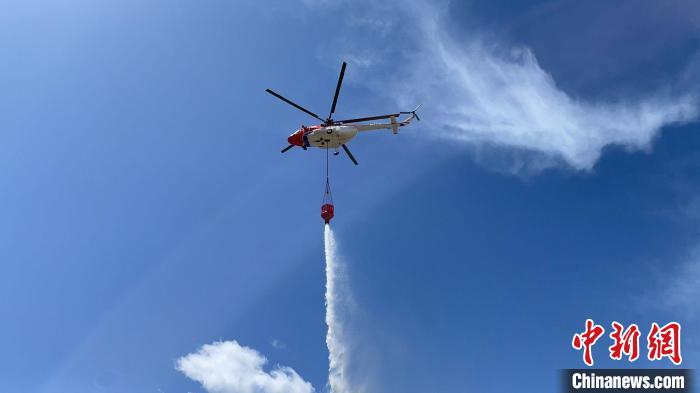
(326, 163)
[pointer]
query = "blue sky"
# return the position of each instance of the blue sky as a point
(147, 210)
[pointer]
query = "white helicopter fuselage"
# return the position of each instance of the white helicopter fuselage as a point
(335, 136)
(331, 137)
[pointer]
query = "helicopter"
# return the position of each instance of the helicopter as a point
(333, 134)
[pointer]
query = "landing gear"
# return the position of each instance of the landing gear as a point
(335, 153)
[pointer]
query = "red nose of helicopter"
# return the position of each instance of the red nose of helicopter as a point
(297, 138)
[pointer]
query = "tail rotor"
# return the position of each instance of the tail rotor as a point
(413, 112)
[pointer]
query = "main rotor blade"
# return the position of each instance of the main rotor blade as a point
(347, 151)
(287, 148)
(301, 108)
(367, 118)
(337, 89)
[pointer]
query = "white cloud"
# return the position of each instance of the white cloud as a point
(482, 95)
(479, 93)
(683, 289)
(227, 367)
(278, 344)
(508, 99)
(676, 295)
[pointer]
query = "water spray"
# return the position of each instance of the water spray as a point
(337, 297)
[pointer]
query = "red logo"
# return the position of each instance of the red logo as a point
(626, 342)
(662, 342)
(586, 340)
(665, 342)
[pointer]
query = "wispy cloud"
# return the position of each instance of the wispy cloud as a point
(677, 293)
(483, 93)
(683, 289)
(228, 367)
(278, 344)
(676, 285)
